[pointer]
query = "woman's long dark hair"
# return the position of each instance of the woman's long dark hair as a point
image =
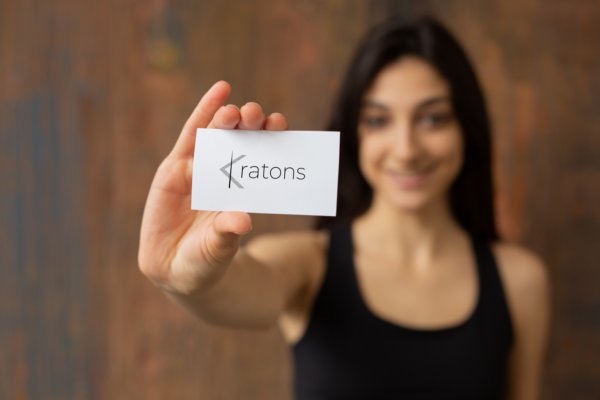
(471, 195)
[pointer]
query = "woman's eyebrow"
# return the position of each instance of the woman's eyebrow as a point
(374, 104)
(425, 103)
(432, 101)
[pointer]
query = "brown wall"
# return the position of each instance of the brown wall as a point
(93, 95)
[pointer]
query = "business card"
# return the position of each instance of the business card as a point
(269, 172)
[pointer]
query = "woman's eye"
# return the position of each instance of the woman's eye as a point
(434, 120)
(374, 122)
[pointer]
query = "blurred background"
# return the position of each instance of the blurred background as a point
(93, 95)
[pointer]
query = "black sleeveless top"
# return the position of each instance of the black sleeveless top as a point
(347, 352)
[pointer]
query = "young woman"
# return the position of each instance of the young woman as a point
(411, 294)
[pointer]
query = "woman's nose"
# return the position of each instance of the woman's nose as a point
(405, 145)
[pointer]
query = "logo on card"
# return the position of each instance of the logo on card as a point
(237, 173)
(227, 169)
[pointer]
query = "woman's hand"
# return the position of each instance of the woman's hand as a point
(182, 250)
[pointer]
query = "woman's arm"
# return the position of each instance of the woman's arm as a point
(527, 285)
(194, 256)
(269, 276)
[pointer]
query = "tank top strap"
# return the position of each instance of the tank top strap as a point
(339, 276)
(494, 311)
(340, 246)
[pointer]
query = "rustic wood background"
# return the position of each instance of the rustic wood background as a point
(92, 97)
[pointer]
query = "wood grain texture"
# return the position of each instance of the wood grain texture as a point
(92, 97)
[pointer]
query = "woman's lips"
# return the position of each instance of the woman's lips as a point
(409, 180)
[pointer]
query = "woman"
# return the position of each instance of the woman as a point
(411, 295)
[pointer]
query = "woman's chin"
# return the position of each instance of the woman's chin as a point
(410, 203)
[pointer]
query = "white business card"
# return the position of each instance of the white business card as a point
(270, 172)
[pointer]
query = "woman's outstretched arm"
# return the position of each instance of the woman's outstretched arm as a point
(194, 256)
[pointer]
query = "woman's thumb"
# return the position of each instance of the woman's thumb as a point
(228, 227)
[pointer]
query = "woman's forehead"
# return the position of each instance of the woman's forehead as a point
(407, 82)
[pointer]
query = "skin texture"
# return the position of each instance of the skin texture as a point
(413, 260)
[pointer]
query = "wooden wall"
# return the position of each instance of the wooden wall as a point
(92, 97)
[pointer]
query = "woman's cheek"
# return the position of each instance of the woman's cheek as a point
(368, 157)
(454, 159)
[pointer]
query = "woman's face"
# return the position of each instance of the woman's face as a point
(411, 147)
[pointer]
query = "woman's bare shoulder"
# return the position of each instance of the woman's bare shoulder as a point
(521, 268)
(527, 284)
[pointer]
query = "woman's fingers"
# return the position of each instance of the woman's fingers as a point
(204, 112)
(252, 117)
(227, 117)
(210, 112)
(276, 122)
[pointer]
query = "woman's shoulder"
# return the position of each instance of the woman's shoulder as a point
(526, 282)
(527, 285)
(521, 268)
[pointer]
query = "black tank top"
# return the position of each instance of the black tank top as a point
(347, 352)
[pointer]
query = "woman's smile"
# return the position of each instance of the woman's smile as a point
(409, 179)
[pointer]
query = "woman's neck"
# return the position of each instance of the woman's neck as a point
(414, 237)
